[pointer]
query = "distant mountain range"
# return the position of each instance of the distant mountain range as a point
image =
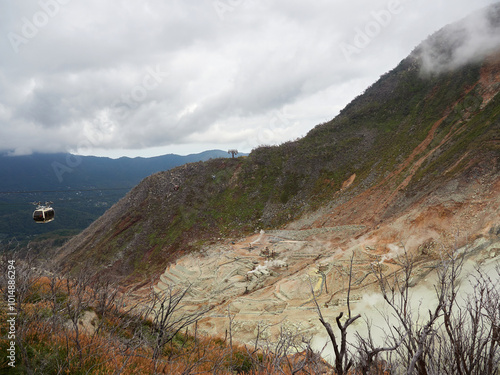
(80, 187)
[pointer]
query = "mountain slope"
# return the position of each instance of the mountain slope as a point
(405, 142)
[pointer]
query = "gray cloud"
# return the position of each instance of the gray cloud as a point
(100, 77)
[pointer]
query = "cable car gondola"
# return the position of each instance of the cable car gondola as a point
(43, 214)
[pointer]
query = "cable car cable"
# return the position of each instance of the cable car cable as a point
(63, 201)
(61, 191)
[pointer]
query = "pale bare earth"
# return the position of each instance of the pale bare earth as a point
(266, 280)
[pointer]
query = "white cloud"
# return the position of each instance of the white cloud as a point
(223, 78)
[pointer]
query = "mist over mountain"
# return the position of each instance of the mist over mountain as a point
(461, 43)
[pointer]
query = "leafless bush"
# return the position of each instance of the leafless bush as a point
(470, 341)
(415, 333)
(459, 334)
(169, 317)
(343, 360)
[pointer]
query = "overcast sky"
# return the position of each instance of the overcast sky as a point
(151, 77)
